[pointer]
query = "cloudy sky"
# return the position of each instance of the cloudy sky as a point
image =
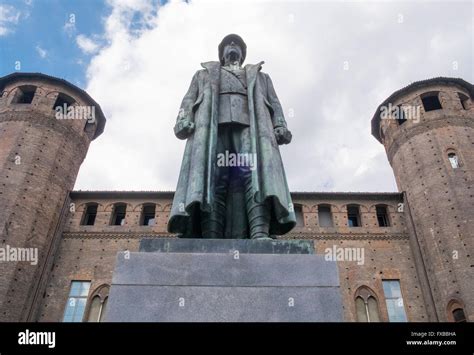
(331, 62)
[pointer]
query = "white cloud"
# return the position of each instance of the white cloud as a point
(140, 77)
(69, 26)
(9, 17)
(41, 52)
(86, 44)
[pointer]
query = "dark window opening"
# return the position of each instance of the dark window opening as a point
(382, 216)
(24, 94)
(148, 217)
(382, 134)
(118, 216)
(89, 126)
(464, 101)
(325, 216)
(399, 115)
(63, 101)
(431, 102)
(90, 215)
(299, 216)
(353, 216)
(459, 316)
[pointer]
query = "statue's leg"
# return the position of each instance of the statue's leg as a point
(213, 223)
(258, 214)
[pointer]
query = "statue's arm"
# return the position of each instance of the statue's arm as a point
(278, 119)
(282, 134)
(184, 126)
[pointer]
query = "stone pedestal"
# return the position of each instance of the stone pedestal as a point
(198, 280)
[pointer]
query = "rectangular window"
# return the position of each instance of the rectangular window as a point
(76, 303)
(24, 95)
(382, 216)
(431, 102)
(353, 217)
(148, 215)
(118, 218)
(464, 101)
(299, 216)
(399, 115)
(453, 160)
(90, 215)
(394, 301)
(324, 216)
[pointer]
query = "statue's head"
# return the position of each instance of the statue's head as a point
(232, 48)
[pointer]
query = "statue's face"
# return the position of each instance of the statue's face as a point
(232, 53)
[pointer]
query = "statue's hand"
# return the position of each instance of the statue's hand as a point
(282, 135)
(183, 128)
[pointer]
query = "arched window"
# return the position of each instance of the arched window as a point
(299, 215)
(454, 160)
(63, 101)
(455, 311)
(325, 216)
(24, 94)
(353, 216)
(98, 304)
(90, 214)
(148, 215)
(367, 309)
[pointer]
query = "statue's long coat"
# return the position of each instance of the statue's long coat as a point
(194, 192)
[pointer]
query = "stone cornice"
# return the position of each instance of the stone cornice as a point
(306, 236)
(362, 236)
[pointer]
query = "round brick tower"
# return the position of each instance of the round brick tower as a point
(41, 150)
(427, 129)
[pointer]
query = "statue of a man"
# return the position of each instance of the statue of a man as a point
(232, 183)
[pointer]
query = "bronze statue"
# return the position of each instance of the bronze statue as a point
(232, 183)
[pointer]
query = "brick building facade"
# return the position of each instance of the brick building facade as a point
(404, 255)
